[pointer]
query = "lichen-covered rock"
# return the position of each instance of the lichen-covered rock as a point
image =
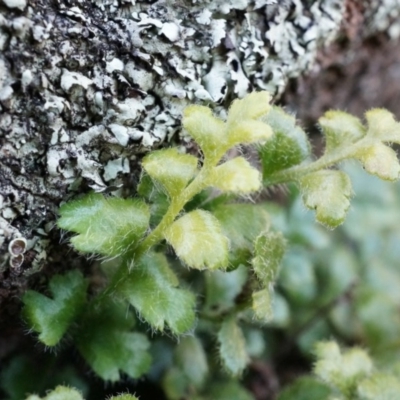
(87, 86)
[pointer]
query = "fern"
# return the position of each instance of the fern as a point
(227, 253)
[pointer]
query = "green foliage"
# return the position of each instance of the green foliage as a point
(328, 191)
(106, 342)
(232, 346)
(198, 240)
(66, 393)
(51, 317)
(151, 288)
(107, 226)
(224, 281)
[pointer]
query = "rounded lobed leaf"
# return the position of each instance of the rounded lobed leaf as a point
(379, 387)
(380, 160)
(340, 128)
(232, 347)
(328, 193)
(269, 249)
(51, 317)
(249, 131)
(241, 224)
(172, 169)
(106, 341)
(288, 146)
(107, 226)
(383, 126)
(208, 131)
(198, 240)
(343, 371)
(59, 393)
(253, 106)
(236, 176)
(152, 288)
(262, 305)
(191, 358)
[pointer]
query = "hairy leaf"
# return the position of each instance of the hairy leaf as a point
(152, 288)
(380, 160)
(66, 393)
(51, 317)
(383, 126)
(191, 359)
(243, 124)
(107, 226)
(343, 371)
(269, 249)
(340, 129)
(172, 169)
(198, 240)
(305, 388)
(222, 288)
(156, 197)
(236, 176)
(328, 193)
(59, 393)
(262, 305)
(208, 131)
(241, 223)
(109, 346)
(228, 391)
(253, 106)
(379, 387)
(288, 146)
(232, 347)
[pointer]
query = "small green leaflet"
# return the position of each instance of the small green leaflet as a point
(59, 393)
(253, 106)
(340, 129)
(66, 393)
(228, 390)
(383, 126)
(262, 305)
(380, 160)
(51, 317)
(236, 176)
(379, 387)
(198, 240)
(328, 192)
(241, 224)
(216, 137)
(107, 226)
(152, 288)
(191, 359)
(232, 347)
(288, 146)
(108, 344)
(172, 169)
(341, 370)
(305, 388)
(208, 131)
(243, 121)
(269, 249)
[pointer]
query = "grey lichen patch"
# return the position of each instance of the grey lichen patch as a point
(384, 15)
(87, 86)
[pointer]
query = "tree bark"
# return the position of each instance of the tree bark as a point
(86, 87)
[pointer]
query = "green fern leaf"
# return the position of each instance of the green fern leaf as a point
(51, 317)
(198, 240)
(107, 226)
(152, 288)
(108, 344)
